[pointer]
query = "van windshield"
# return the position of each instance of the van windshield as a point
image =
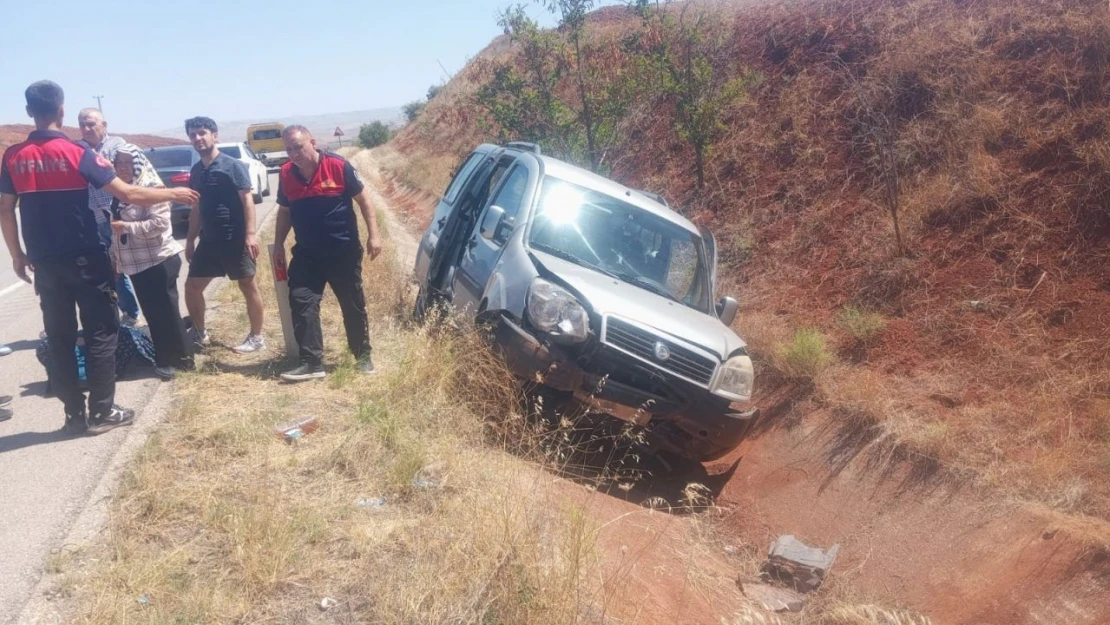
(269, 133)
(617, 238)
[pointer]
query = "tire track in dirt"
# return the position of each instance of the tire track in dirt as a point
(403, 241)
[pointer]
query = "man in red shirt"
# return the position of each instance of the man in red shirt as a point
(316, 193)
(50, 175)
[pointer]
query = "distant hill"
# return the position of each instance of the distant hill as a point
(322, 126)
(15, 133)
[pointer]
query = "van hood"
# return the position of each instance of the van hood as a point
(606, 295)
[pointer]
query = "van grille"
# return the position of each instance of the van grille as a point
(638, 342)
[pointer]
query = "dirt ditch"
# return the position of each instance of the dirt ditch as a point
(926, 540)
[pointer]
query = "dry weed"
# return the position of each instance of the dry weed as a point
(846, 614)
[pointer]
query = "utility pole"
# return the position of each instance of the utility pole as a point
(98, 97)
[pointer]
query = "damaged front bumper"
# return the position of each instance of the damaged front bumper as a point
(688, 420)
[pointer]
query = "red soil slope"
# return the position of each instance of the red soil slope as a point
(962, 454)
(14, 133)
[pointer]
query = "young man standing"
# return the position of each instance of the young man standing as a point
(224, 220)
(94, 131)
(315, 194)
(49, 176)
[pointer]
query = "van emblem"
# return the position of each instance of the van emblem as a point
(662, 352)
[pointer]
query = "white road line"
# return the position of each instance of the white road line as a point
(12, 288)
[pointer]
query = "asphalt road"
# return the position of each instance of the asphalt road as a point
(46, 479)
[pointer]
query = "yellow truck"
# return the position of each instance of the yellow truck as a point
(265, 141)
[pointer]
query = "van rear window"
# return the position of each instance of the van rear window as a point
(262, 135)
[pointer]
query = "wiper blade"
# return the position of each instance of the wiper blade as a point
(578, 260)
(650, 285)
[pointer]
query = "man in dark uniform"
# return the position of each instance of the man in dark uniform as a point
(50, 175)
(315, 195)
(224, 221)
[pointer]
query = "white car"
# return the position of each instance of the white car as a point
(260, 178)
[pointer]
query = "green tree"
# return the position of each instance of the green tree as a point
(687, 56)
(373, 134)
(433, 91)
(522, 100)
(527, 96)
(413, 109)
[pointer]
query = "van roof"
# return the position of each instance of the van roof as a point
(585, 178)
(265, 125)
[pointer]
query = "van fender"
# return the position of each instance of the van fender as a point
(494, 295)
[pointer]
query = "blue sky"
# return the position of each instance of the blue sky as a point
(158, 62)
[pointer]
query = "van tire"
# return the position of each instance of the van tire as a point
(258, 196)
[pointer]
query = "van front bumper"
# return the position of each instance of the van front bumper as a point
(695, 424)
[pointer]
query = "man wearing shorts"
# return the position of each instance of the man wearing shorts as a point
(224, 222)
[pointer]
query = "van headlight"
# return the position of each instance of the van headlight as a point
(735, 379)
(554, 310)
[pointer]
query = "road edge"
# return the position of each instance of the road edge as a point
(93, 517)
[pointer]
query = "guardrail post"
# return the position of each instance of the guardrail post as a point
(281, 289)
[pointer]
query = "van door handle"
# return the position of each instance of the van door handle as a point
(442, 222)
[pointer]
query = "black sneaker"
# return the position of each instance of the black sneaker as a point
(114, 419)
(76, 425)
(303, 373)
(366, 365)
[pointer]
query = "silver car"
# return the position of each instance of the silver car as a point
(601, 292)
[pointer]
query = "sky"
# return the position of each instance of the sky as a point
(158, 62)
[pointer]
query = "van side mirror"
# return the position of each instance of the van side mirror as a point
(494, 224)
(726, 310)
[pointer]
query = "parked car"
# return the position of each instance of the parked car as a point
(173, 164)
(260, 177)
(600, 291)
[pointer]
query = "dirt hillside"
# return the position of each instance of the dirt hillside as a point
(14, 133)
(963, 419)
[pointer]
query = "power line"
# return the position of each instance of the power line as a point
(98, 106)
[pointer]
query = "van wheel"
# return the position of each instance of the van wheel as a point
(266, 193)
(258, 196)
(429, 306)
(420, 308)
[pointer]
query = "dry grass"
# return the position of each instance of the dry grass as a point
(805, 356)
(861, 324)
(219, 521)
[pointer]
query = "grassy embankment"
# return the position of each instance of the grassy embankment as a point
(219, 521)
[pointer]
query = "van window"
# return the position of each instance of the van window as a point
(511, 194)
(262, 135)
(460, 178)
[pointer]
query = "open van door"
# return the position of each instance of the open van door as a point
(711, 256)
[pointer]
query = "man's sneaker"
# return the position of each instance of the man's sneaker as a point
(253, 343)
(366, 365)
(5, 350)
(166, 373)
(76, 425)
(115, 418)
(303, 373)
(200, 339)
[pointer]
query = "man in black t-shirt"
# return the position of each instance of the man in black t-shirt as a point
(316, 193)
(224, 221)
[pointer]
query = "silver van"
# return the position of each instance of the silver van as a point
(602, 293)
